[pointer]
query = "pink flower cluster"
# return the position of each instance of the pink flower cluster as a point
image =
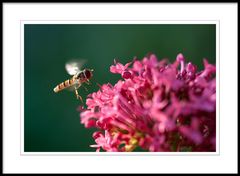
(157, 106)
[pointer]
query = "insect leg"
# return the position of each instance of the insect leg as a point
(88, 82)
(85, 88)
(78, 96)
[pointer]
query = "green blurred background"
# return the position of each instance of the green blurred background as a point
(51, 121)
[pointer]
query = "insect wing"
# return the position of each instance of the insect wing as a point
(74, 66)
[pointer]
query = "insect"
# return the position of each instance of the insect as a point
(79, 77)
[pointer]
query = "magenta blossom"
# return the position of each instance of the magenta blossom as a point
(157, 106)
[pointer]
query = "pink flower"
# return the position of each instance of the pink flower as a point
(156, 106)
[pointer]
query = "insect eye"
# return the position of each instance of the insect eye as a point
(88, 73)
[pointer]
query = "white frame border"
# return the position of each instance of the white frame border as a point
(225, 162)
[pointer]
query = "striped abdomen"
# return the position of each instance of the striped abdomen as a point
(64, 85)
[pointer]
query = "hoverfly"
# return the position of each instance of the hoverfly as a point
(79, 77)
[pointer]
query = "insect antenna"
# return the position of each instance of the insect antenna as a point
(85, 88)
